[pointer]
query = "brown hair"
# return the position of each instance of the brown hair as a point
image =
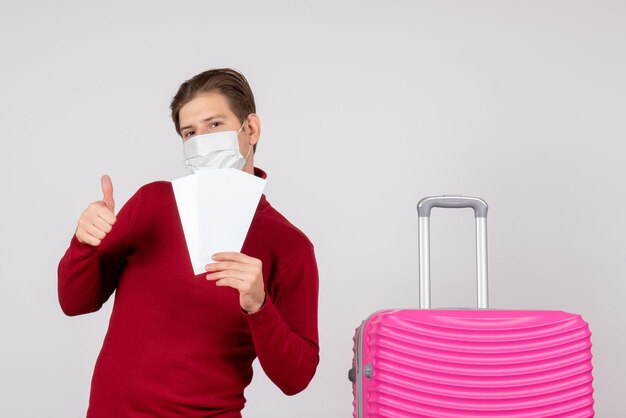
(231, 83)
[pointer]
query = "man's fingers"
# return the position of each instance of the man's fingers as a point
(91, 229)
(230, 265)
(242, 273)
(105, 213)
(97, 220)
(240, 285)
(95, 223)
(232, 256)
(93, 241)
(107, 192)
(86, 238)
(231, 274)
(102, 224)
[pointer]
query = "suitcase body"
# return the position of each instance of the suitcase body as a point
(454, 363)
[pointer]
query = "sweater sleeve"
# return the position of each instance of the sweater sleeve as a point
(88, 275)
(284, 330)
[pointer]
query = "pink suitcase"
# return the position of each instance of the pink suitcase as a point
(454, 363)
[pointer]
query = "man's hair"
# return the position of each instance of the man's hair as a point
(231, 83)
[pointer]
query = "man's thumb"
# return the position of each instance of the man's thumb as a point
(107, 191)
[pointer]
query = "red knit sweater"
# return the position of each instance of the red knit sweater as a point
(178, 345)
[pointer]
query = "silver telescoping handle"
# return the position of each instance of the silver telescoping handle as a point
(480, 213)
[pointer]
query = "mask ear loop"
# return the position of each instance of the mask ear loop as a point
(249, 146)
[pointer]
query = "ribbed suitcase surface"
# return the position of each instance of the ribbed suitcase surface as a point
(471, 363)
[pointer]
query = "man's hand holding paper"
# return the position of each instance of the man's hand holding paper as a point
(242, 273)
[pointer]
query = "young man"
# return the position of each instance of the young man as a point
(181, 345)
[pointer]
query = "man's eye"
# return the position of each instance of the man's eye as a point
(215, 124)
(189, 134)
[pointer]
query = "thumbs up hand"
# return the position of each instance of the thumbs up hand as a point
(97, 220)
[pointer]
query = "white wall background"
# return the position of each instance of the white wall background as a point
(366, 107)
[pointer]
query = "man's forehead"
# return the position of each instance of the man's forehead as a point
(205, 106)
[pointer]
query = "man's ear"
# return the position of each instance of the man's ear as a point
(252, 126)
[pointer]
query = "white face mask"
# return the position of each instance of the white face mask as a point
(214, 150)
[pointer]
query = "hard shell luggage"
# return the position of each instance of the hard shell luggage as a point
(454, 363)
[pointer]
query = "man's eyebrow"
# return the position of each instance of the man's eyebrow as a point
(209, 119)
